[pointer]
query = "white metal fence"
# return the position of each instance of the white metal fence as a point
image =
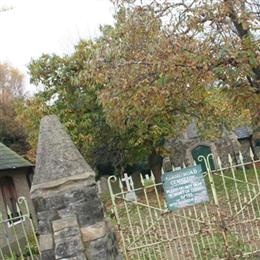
(18, 239)
(226, 227)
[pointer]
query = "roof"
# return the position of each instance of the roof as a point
(243, 132)
(11, 160)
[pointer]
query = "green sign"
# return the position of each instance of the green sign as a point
(185, 187)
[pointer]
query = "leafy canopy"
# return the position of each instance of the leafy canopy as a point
(160, 67)
(227, 32)
(69, 90)
(156, 83)
(12, 93)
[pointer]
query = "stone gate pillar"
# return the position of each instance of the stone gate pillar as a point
(71, 222)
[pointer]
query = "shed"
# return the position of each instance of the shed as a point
(15, 181)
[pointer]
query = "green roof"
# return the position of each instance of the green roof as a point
(11, 160)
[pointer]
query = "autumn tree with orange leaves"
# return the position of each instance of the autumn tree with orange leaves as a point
(156, 82)
(162, 65)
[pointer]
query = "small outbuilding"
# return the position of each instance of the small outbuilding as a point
(15, 181)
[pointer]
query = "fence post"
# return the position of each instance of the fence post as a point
(64, 192)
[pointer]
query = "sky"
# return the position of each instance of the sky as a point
(34, 27)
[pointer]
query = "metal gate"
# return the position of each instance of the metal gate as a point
(226, 227)
(18, 238)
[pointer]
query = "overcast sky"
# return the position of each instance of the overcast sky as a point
(34, 27)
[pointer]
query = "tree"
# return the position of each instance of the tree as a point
(141, 83)
(11, 93)
(228, 35)
(70, 91)
(155, 84)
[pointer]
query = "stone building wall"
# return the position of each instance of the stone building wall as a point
(181, 149)
(232, 143)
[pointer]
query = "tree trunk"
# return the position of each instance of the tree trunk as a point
(155, 164)
(242, 33)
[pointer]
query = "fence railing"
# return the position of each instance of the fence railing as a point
(18, 238)
(225, 227)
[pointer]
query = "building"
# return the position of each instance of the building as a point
(15, 181)
(188, 148)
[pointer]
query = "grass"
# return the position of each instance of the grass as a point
(26, 252)
(236, 247)
(230, 183)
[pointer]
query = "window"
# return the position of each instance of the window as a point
(10, 199)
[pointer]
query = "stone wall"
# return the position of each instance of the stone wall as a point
(70, 215)
(180, 150)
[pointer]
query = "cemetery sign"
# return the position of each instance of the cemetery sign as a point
(185, 187)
